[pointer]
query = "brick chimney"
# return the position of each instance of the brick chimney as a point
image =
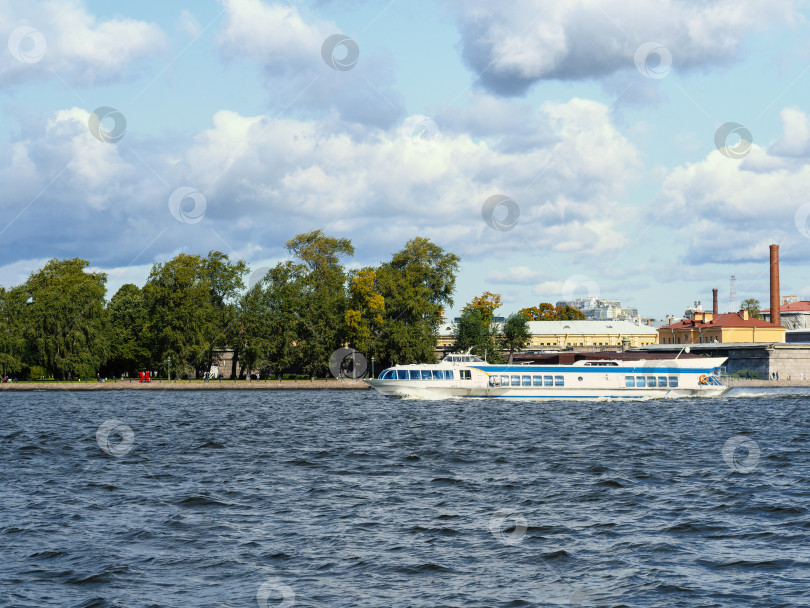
(714, 302)
(776, 316)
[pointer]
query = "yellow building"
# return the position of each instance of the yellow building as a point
(730, 327)
(554, 335)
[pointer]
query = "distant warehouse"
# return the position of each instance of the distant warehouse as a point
(706, 327)
(554, 335)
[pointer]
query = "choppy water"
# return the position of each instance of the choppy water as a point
(320, 498)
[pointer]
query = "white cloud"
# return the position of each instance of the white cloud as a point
(730, 210)
(288, 46)
(266, 179)
(74, 45)
(516, 44)
(519, 275)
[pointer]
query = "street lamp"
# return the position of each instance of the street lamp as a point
(372, 367)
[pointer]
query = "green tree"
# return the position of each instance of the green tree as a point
(515, 334)
(321, 327)
(13, 319)
(284, 300)
(417, 284)
(753, 307)
(127, 325)
(189, 302)
(477, 334)
(67, 330)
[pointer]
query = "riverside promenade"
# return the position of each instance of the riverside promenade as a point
(186, 385)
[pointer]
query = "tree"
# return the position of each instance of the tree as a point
(487, 303)
(364, 315)
(321, 327)
(189, 307)
(127, 330)
(283, 299)
(476, 334)
(568, 313)
(547, 312)
(515, 334)
(66, 332)
(417, 285)
(13, 319)
(753, 307)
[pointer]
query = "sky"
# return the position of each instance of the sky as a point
(636, 150)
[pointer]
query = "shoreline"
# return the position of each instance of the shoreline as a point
(187, 385)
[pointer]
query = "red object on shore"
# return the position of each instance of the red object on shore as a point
(144, 377)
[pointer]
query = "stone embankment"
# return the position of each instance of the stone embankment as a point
(186, 385)
(781, 383)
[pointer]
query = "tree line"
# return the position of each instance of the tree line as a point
(290, 320)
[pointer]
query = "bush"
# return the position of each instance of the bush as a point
(746, 373)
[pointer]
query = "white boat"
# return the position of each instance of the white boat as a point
(466, 375)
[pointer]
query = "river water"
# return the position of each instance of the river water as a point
(344, 498)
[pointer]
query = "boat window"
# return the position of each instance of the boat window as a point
(629, 381)
(448, 374)
(465, 374)
(673, 381)
(415, 375)
(515, 380)
(662, 380)
(527, 380)
(388, 374)
(466, 359)
(559, 381)
(537, 380)
(438, 374)
(505, 380)
(426, 375)
(640, 381)
(651, 381)
(402, 374)
(548, 381)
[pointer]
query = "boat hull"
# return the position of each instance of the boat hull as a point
(412, 390)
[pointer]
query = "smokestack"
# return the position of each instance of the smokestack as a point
(714, 302)
(776, 316)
